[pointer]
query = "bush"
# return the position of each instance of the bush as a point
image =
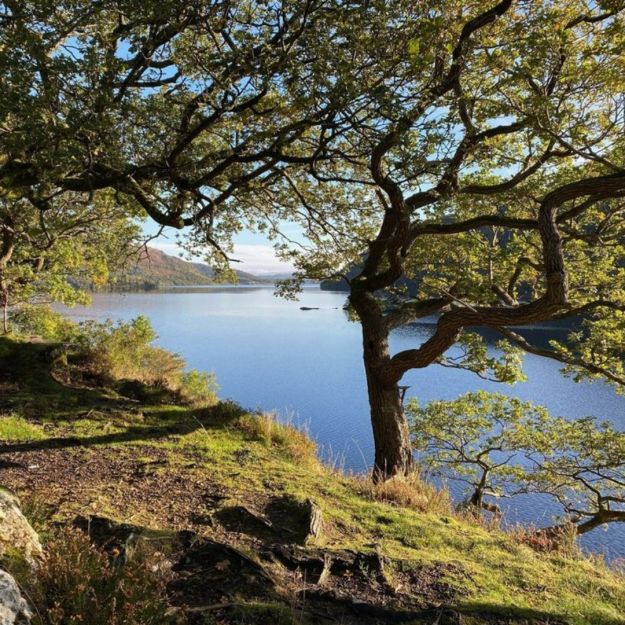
(124, 351)
(44, 322)
(76, 584)
(117, 351)
(198, 388)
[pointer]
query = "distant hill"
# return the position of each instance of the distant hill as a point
(158, 269)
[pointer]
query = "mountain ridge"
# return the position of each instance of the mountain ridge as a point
(155, 268)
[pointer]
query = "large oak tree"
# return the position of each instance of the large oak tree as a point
(489, 171)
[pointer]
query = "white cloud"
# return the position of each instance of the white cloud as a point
(169, 248)
(257, 259)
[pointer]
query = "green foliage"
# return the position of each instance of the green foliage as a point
(44, 322)
(76, 583)
(198, 388)
(116, 352)
(582, 464)
(506, 366)
(479, 438)
(124, 351)
(501, 446)
(49, 252)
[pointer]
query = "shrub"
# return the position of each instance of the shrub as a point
(76, 584)
(44, 322)
(124, 351)
(198, 388)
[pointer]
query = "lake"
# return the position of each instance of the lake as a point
(268, 354)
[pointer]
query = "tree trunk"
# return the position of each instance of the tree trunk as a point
(393, 453)
(5, 314)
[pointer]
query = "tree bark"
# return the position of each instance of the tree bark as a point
(5, 314)
(391, 436)
(601, 518)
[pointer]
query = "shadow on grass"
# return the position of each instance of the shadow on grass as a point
(500, 615)
(165, 423)
(25, 374)
(27, 386)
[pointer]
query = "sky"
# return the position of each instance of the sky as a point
(253, 250)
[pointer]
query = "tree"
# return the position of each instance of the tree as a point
(477, 150)
(501, 446)
(184, 107)
(76, 241)
(489, 173)
(479, 439)
(584, 469)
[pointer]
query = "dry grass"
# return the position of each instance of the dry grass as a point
(409, 492)
(562, 540)
(292, 441)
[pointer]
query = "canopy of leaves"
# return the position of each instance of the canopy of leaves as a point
(499, 446)
(45, 255)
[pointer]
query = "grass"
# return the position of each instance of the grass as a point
(409, 492)
(17, 428)
(252, 458)
(285, 437)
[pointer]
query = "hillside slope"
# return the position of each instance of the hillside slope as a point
(227, 497)
(158, 269)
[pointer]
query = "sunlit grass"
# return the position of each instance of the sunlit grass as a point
(16, 428)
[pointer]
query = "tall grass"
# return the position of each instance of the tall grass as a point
(295, 443)
(409, 492)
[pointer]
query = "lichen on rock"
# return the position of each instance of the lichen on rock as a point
(16, 532)
(13, 607)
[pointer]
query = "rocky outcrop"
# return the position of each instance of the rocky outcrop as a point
(16, 534)
(13, 607)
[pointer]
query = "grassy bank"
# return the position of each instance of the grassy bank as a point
(139, 455)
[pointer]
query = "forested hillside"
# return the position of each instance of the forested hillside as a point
(156, 269)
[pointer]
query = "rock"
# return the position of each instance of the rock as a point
(315, 520)
(15, 531)
(13, 607)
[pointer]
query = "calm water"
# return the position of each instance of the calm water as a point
(269, 354)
